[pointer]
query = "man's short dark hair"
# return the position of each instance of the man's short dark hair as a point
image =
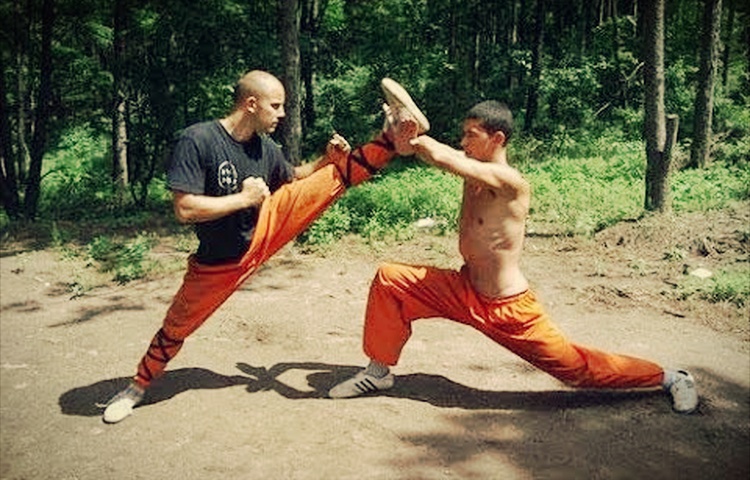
(494, 116)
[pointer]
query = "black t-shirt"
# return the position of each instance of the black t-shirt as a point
(207, 161)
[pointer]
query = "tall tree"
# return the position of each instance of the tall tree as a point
(8, 180)
(704, 99)
(532, 98)
(291, 129)
(657, 163)
(119, 124)
(39, 139)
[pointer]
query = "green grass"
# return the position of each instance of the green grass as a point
(580, 190)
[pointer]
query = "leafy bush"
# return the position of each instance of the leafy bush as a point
(570, 96)
(128, 261)
(587, 191)
(710, 188)
(730, 286)
(76, 177)
(389, 204)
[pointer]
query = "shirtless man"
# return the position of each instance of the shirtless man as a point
(490, 292)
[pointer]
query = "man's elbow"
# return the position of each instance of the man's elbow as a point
(183, 215)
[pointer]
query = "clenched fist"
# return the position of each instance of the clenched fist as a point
(255, 190)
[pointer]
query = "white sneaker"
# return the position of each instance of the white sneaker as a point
(404, 120)
(360, 384)
(122, 404)
(684, 394)
(401, 102)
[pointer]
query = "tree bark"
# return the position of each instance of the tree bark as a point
(119, 125)
(8, 177)
(39, 139)
(22, 27)
(291, 129)
(311, 19)
(654, 121)
(532, 97)
(704, 99)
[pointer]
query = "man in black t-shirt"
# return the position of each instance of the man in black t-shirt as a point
(246, 202)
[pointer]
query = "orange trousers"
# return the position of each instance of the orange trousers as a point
(400, 294)
(283, 216)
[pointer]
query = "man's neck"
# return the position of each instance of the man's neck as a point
(237, 127)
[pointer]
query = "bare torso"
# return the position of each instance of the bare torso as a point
(491, 235)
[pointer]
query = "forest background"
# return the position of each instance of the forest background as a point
(94, 92)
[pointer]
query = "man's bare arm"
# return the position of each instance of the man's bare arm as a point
(193, 208)
(456, 161)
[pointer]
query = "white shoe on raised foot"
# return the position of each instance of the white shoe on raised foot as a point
(684, 394)
(122, 404)
(401, 103)
(360, 384)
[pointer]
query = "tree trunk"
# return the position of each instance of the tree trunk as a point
(8, 178)
(654, 121)
(39, 140)
(704, 99)
(119, 126)
(22, 27)
(291, 129)
(311, 20)
(532, 98)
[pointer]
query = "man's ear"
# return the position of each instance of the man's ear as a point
(499, 137)
(251, 103)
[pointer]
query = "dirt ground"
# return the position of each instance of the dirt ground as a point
(245, 399)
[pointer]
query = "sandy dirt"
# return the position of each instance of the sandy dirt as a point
(245, 399)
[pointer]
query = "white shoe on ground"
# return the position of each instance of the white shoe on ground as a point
(360, 384)
(122, 404)
(684, 394)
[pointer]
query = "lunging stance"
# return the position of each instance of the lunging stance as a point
(246, 201)
(490, 293)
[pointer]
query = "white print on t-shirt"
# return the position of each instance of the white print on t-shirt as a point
(227, 176)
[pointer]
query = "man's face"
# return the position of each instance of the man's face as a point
(476, 141)
(268, 109)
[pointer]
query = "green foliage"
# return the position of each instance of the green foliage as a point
(726, 285)
(711, 188)
(583, 193)
(76, 177)
(732, 126)
(389, 205)
(127, 261)
(730, 286)
(679, 93)
(570, 96)
(348, 104)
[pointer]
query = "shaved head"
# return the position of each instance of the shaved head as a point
(255, 83)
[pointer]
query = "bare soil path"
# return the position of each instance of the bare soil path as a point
(245, 399)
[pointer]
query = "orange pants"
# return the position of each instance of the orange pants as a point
(283, 216)
(401, 294)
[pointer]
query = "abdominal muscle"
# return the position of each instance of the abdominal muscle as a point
(491, 238)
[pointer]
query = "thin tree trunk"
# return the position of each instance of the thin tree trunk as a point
(532, 98)
(291, 130)
(39, 140)
(22, 27)
(8, 177)
(654, 119)
(307, 61)
(704, 99)
(119, 125)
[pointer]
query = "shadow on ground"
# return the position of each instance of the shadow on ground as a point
(436, 390)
